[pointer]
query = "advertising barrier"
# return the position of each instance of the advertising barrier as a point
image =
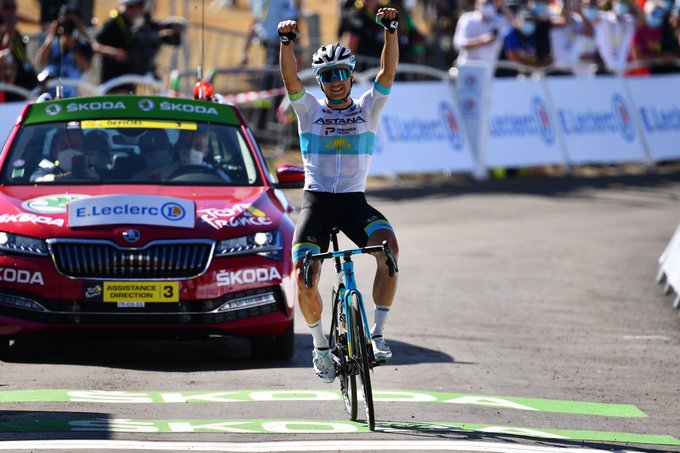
(9, 113)
(596, 119)
(421, 130)
(658, 105)
(520, 127)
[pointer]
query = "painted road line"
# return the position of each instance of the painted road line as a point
(64, 423)
(400, 396)
(336, 445)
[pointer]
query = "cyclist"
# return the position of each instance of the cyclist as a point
(337, 134)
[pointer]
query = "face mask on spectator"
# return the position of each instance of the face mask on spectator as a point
(527, 28)
(590, 12)
(159, 158)
(653, 21)
(620, 9)
(541, 10)
(488, 11)
(195, 157)
(65, 158)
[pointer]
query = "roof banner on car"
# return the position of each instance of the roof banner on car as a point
(131, 107)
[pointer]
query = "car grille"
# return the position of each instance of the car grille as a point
(159, 260)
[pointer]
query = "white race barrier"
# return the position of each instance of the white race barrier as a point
(658, 104)
(669, 267)
(421, 131)
(519, 128)
(596, 118)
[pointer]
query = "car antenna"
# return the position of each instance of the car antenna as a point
(202, 90)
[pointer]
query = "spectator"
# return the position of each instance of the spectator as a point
(648, 39)
(65, 52)
(68, 159)
(547, 20)
(357, 32)
(266, 17)
(20, 72)
(519, 44)
(479, 33)
(614, 32)
(573, 41)
(114, 41)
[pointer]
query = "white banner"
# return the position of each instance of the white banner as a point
(657, 102)
(132, 208)
(521, 130)
(421, 130)
(596, 119)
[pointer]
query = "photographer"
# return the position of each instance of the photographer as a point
(16, 66)
(129, 41)
(65, 53)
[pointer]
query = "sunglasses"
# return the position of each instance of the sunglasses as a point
(340, 74)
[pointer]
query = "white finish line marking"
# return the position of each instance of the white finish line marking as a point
(339, 445)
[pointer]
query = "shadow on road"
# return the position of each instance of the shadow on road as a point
(549, 186)
(423, 431)
(174, 355)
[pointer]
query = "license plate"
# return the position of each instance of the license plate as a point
(150, 292)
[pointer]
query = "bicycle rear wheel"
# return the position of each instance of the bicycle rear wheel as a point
(345, 374)
(362, 359)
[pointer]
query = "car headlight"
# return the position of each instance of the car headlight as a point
(14, 243)
(263, 243)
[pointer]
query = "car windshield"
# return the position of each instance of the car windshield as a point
(131, 152)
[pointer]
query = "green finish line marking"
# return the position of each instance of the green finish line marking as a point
(399, 396)
(274, 426)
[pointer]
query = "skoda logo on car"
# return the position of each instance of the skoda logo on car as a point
(131, 235)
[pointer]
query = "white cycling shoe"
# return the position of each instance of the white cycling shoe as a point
(323, 364)
(381, 352)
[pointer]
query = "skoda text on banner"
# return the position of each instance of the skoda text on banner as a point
(658, 104)
(596, 119)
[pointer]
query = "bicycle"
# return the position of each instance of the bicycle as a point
(350, 337)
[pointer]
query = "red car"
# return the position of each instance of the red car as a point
(144, 215)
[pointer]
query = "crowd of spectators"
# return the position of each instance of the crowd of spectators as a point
(128, 43)
(562, 36)
(573, 36)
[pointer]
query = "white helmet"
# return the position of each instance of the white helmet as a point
(332, 55)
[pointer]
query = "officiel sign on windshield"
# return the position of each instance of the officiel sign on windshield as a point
(138, 124)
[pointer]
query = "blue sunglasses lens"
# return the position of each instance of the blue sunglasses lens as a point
(340, 74)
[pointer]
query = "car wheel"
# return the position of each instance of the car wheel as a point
(274, 348)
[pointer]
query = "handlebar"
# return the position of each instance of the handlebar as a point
(346, 254)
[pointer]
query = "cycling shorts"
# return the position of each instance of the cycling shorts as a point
(321, 211)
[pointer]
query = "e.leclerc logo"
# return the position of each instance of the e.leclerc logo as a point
(622, 114)
(617, 120)
(173, 211)
(536, 122)
(451, 125)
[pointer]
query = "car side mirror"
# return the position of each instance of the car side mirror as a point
(290, 176)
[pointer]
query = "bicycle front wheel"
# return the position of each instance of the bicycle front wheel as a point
(345, 374)
(362, 358)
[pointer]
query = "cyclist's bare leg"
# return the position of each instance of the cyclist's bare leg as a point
(309, 299)
(384, 286)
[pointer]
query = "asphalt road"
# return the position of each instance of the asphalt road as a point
(527, 319)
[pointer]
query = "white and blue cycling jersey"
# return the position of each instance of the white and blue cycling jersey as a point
(337, 145)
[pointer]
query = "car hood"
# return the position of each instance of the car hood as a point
(169, 212)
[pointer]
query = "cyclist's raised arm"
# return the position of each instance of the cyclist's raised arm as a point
(389, 58)
(288, 31)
